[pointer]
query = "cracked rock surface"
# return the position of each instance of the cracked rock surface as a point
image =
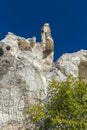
(25, 76)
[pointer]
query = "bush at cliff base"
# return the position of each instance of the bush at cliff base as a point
(66, 108)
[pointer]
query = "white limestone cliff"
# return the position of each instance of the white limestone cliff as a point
(70, 64)
(25, 74)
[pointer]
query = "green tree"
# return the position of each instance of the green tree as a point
(66, 108)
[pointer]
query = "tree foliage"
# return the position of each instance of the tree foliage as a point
(66, 108)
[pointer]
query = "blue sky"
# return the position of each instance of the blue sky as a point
(67, 18)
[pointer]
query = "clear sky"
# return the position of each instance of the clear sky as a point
(67, 18)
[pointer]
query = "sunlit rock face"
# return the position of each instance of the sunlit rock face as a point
(70, 64)
(23, 82)
(25, 74)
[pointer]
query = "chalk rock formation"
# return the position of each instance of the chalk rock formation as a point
(45, 32)
(25, 75)
(47, 42)
(70, 64)
(23, 82)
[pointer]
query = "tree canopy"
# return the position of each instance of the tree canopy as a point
(66, 108)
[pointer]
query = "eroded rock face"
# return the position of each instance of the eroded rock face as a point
(25, 75)
(70, 64)
(5, 62)
(22, 80)
(47, 40)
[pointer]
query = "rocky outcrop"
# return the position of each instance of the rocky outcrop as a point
(23, 72)
(47, 40)
(70, 64)
(25, 76)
